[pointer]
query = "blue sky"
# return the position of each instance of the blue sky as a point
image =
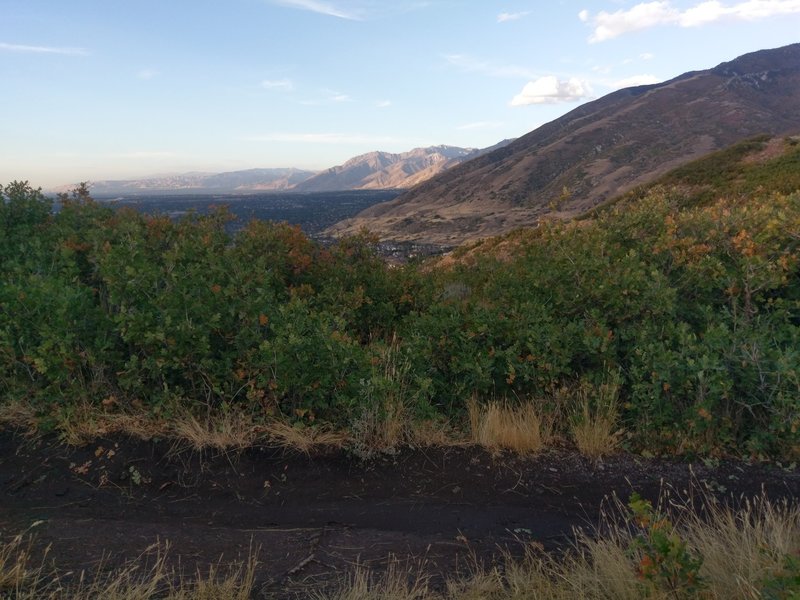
(119, 89)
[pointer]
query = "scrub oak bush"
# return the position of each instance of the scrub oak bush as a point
(694, 310)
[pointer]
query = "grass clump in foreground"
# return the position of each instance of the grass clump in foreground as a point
(149, 577)
(594, 422)
(503, 426)
(637, 551)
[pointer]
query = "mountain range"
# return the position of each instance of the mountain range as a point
(250, 180)
(596, 152)
(371, 171)
(384, 170)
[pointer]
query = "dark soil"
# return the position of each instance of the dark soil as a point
(314, 518)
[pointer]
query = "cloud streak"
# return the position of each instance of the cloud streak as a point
(23, 49)
(357, 10)
(330, 97)
(505, 17)
(322, 8)
(278, 85)
(609, 25)
(551, 90)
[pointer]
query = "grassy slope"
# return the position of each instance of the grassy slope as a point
(759, 164)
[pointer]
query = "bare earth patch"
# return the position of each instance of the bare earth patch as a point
(313, 519)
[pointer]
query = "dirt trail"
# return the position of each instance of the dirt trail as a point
(313, 519)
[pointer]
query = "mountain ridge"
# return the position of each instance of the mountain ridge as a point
(597, 151)
(370, 171)
(386, 170)
(247, 180)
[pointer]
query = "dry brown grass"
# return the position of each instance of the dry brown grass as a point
(744, 547)
(16, 572)
(85, 422)
(234, 582)
(503, 426)
(398, 583)
(223, 431)
(227, 431)
(148, 577)
(303, 438)
(594, 425)
(742, 550)
(18, 414)
(425, 434)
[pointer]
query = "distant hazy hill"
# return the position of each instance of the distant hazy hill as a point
(384, 170)
(251, 180)
(598, 151)
(372, 171)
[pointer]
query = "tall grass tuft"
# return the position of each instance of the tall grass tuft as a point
(594, 419)
(503, 426)
(746, 553)
(147, 578)
(398, 583)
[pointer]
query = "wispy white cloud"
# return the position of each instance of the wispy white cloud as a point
(23, 49)
(504, 17)
(329, 96)
(278, 85)
(609, 25)
(323, 8)
(636, 80)
(358, 10)
(551, 90)
(383, 104)
(480, 125)
(321, 138)
(470, 64)
(642, 16)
